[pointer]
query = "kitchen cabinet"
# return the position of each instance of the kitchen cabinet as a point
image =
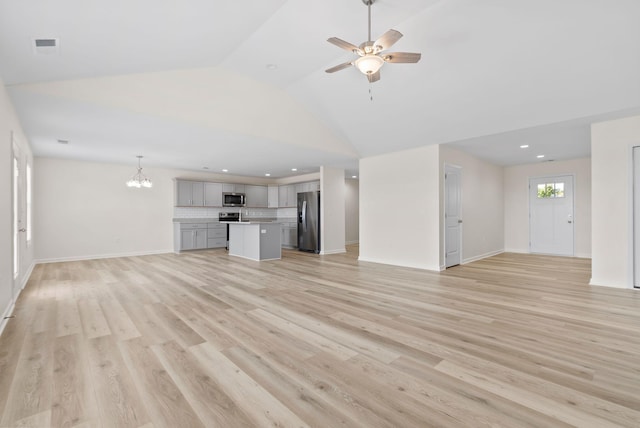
(212, 194)
(233, 188)
(256, 196)
(189, 193)
(193, 236)
(290, 235)
(287, 196)
(273, 196)
(310, 186)
(216, 235)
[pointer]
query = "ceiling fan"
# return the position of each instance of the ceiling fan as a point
(370, 54)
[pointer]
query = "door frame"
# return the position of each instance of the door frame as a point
(635, 220)
(444, 220)
(17, 197)
(573, 209)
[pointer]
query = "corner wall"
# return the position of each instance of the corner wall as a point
(612, 199)
(352, 213)
(400, 208)
(332, 207)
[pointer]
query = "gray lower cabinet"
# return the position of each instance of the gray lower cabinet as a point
(199, 236)
(216, 235)
(193, 236)
(290, 235)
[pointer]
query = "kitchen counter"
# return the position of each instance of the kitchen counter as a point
(255, 240)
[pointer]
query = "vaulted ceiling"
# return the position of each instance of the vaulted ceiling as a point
(240, 85)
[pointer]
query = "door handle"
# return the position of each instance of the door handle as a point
(22, 230)
(459, 221)
(569, 221)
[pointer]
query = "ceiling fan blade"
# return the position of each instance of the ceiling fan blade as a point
(374, 77)
(406, 57)
(344, 45)
(388, 39)
(339, 67)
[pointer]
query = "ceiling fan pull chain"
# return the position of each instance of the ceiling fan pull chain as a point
(370, 93)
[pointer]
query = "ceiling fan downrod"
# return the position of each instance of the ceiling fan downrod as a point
(369, 3)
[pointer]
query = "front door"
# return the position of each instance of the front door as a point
(551, 215)
(452, 215)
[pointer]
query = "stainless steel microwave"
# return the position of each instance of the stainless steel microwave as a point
(233, 200)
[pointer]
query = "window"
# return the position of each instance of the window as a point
(551, 190)
(29, 204)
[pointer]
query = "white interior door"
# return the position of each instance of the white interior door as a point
(636, 217)
(18, 212)
(551, 219)
(452, 215)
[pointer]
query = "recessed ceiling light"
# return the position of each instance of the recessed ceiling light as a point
(294, 169)
(225, 170)
(524, 146)
(540, 156)
(354, 176)
(267, 175)
(272, 67)
(63, 141)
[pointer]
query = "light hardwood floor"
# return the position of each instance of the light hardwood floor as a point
(204, 339)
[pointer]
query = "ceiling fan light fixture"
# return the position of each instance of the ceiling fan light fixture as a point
(369, 64)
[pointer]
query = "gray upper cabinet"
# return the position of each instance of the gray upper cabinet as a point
(257, 196)
(212, 194)
(307, 187)
(189, 193)
(273, 196)
(287, 196)
(233, 188)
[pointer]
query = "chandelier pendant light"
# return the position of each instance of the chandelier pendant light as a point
(139, 179)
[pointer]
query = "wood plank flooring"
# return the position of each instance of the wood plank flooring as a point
(207, 340)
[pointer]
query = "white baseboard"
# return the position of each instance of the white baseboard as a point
(351, 242)
(339, 251)
(407, 265)
(102, 256)
(482, 256)
(12, 304)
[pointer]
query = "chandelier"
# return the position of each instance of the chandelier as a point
(139, 179)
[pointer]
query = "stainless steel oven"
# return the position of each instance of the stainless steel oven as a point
(228, 217)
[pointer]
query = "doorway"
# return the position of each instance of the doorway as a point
(452, 215)
(551, 219)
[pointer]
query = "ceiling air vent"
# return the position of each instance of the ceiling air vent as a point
(46, 46)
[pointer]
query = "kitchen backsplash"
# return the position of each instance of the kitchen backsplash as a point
(187, 212)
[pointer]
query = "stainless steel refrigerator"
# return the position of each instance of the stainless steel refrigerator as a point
(309, 221)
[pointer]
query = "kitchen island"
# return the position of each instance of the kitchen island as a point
(255, 240)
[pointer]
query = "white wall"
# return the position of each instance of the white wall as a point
(400, 208)
(9, 124)
(516, 202)
(86, 211)
(482, 200)
(332, 207)
(612, 225)
(352, 212)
